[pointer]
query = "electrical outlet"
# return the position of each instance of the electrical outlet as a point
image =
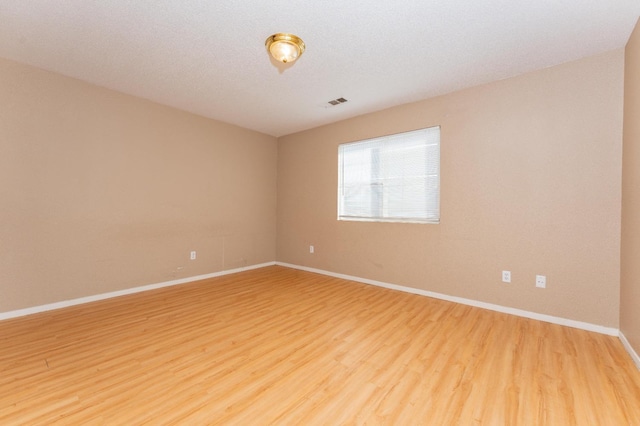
(506, 276)
(541, 281)
(193, 255)
(311, 249)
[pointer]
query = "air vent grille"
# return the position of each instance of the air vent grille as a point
(337, 101)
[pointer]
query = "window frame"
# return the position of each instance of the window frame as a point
(384, 197)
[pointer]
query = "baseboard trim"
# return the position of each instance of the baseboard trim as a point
(634, 355)
(95, 298)
(498, 308)
(470, 302)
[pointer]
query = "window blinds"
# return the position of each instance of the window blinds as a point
(392, 178)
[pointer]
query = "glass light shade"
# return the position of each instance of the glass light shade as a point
(285, 47)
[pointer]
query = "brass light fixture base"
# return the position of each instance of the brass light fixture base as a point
(285, 47)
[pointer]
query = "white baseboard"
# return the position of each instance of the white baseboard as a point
(634, 355)
(498, 308)
(66, 303)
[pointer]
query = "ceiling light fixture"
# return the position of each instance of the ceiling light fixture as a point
(285, 47)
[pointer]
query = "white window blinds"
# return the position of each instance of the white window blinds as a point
(393, 178)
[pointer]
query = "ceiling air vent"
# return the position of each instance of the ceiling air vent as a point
(337, 101)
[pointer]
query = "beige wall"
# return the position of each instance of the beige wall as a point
(630, 248)
(530, 183)
(101, 191)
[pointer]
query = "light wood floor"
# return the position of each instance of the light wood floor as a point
(280, 346)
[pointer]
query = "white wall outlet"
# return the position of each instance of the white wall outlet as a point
(541, 281)
(506, 276)
(193, 255)
(311, 249)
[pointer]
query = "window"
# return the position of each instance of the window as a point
(393, 178)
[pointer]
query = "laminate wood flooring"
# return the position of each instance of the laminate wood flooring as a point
(287, 347)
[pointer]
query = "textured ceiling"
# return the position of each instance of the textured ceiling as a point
(208, 57)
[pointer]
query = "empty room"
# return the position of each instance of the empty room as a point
(257, 213)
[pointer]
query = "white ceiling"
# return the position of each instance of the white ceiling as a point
(208, 56)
